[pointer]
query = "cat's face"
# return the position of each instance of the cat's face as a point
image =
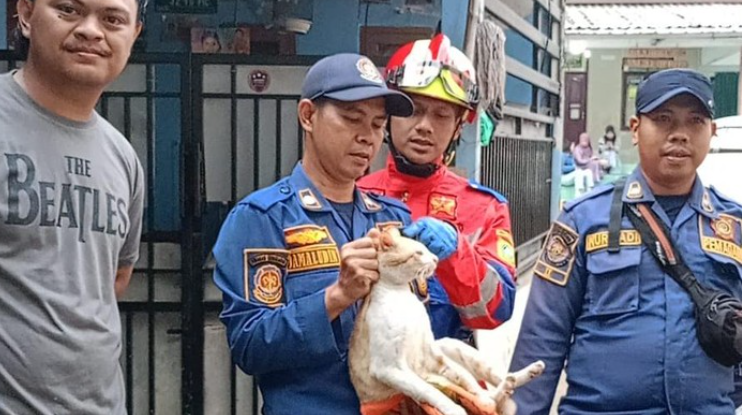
(402, 260)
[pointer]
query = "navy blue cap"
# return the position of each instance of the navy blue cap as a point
(351, 77)
(662, 86)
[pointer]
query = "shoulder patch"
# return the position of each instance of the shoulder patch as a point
(484, 189)
(558, 255)
(719, 195)
(598, 191)
(385, 200)
(263, 199)
(265, 271)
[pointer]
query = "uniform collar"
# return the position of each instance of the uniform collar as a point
(637, 191)
(413, 181)
(310, 198)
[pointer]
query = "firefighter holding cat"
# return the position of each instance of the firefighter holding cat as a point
(474, 285)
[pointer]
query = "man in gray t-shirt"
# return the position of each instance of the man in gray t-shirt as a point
(71, 201)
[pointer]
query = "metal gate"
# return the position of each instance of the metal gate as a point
(205, 140)
(245, 110)
(208, 132)
(520, 168)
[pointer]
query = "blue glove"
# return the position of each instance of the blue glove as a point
(439, 237)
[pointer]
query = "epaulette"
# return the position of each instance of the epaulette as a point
(484, 189)
(264, 199)
(722, 196)
(598, 191)
(385, 200)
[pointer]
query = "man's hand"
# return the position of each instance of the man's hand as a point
(359, 269)
(123, 277)
(439, 237)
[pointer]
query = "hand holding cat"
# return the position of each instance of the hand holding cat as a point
(359, 269)
(438, 236)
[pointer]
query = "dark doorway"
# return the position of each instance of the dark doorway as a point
(575, 120)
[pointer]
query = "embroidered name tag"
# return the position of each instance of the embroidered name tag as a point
(307, 259)
(599, 240)
(721, 247)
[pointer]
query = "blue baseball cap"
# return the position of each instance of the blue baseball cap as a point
(662, 86)
(351, 77)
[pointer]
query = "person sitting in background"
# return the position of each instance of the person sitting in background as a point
(588, 170)
(608, 150)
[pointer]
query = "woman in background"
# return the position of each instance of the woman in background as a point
(588, 169)
(608, 149)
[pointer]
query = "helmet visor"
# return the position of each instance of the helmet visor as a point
(456, 84)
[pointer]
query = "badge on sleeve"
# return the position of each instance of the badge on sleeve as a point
(505, 247)
(506, 252)
(265, 271)
(558, 256)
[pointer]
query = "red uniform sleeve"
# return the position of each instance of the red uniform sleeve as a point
(480, 277)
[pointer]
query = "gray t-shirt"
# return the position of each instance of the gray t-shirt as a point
(71, 201)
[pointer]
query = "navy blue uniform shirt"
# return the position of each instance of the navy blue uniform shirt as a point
(624, 329)
(277, 252)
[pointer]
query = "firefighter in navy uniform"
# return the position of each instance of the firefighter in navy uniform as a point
(624, 328)
(474, 285)
(293, 259)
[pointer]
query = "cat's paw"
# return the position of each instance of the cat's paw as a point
(450, 408)
(504, 390)
(486, 401)
(507, 407)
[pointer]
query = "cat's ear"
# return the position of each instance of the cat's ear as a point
(394, 231)
(387, 240)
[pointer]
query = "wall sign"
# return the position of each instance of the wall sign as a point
(186, 6)
(654, 59)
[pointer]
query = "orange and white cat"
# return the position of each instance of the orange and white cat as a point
(393, 350)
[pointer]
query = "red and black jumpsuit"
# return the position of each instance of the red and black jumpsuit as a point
(475, 287)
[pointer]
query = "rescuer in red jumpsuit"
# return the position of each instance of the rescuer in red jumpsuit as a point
(474, 286)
